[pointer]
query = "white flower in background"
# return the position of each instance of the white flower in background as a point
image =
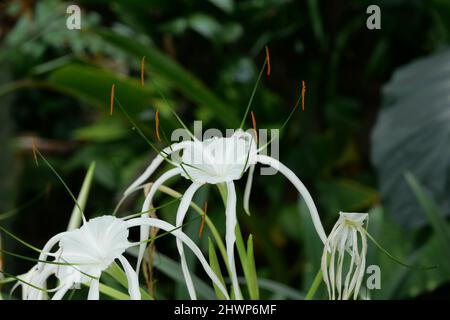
(216, 161)
(348, 236)
(84, 253)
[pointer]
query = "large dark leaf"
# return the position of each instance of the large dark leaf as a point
(413, 133)
(175, 74)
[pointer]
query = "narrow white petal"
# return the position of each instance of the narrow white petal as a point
(61, 292)
(300, 187)
(248, 189)
(324, 267)
(354, 276)
(152, 222)
(48, 246)
(360, 276)
(230, 235)
(350, 269)
(40, 280)
(132, 277)
(145, 232)
(340, 263)
(181, 213)
(154, 165)
(94, 290)
(332, 277)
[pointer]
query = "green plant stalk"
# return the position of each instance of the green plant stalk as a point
(75, 218)
(314, 286)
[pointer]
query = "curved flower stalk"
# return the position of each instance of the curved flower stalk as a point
(347, 236)
(216, 161)
(84, 253)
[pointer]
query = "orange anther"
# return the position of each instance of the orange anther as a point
(254, 124)
(34, 148)
(142, 70)
(111, 105)
(303, 95)
(157, 125)
(268, 60)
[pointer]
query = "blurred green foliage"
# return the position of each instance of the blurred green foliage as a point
(204, 56)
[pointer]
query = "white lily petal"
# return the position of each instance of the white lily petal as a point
(61, 292)
(230, 236)
(344, 239)
(48, 246)
(40, 280)
(332, 277)
(324, 267)
(350, 270)
(152, 222)
(145, 232)
(248, 189)
(155, 164)
(340, 262)
(360, 276)
(94, 290)
(181, 213)
(133, 280)
(300, 187)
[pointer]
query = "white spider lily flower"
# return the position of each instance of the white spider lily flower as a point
(347, 236)
(84, 253)
(216, 161)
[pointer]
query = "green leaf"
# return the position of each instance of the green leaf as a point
(105, 130)
(93, 85)
(346, 195)
(225, 5)
(216, 268)
(119, 275)
(412, 134)
(316, 22)
(205, 25)
(164, 67)
(252, 277)
(240, 246)
(280, 290)
(113, 293)
(434, 216)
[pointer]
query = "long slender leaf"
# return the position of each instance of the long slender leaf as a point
(433, 215)
(117, 273)
(252, 277)
(216, 268)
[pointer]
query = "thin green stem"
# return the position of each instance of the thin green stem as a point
(314, 286)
